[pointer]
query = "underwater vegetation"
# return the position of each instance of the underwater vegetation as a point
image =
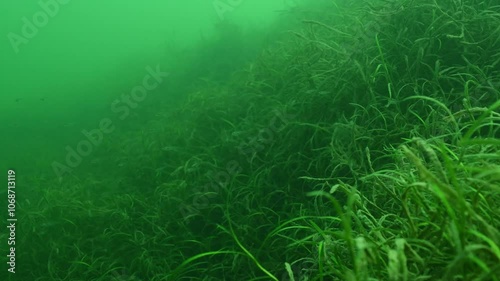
(363, 147)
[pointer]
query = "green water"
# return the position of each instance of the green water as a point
(64, 63)
(250, 140)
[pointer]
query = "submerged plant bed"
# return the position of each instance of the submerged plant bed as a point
(365, 148)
